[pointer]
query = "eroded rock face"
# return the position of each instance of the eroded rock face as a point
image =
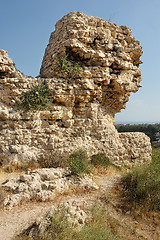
(75, 216)
(108, 54)
(83, 105)
(7, 66)
(43, 185)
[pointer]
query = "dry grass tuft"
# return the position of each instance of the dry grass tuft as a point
(19, 167)
(3, 195)
(101, 171)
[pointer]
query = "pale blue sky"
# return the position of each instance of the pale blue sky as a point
(25, 27)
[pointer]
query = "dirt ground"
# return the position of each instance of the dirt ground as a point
(14, 221)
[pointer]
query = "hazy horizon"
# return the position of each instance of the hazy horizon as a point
(135, 122)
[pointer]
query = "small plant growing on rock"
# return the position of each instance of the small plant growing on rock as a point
(38, 98)
(59, 227)
(100, 159)
(79, 132)
(66, 67)
(78, 163)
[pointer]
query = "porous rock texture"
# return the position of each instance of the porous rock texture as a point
(7, 66)
(44, 185)
(82, 113)
(58, 215)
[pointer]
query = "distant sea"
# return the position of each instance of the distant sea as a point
(135, 123)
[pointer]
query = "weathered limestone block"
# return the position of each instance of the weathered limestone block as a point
(74, 214)
(43, 185)
(7, 66)
(83, 108)
(108, 54)
(137, 146)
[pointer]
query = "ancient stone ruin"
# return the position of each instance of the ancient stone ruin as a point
(102, 69)
(44, 185)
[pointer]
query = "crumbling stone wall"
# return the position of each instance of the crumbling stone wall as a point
(83, 105)
(108, 54)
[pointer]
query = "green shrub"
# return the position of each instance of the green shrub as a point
(100, 159)
(142, 184)
(37, 98)
(97, 227)
(149, 129)
(78, 132)
(156, 145)
(78, 162)
(61, 229)
(66, 67)
(95, 232)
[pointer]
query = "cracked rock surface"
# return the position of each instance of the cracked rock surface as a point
(43, 185)
(83, 106)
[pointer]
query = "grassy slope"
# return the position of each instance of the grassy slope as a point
(131, 211)
(142, 184)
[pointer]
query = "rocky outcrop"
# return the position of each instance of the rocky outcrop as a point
(44, 185)
(100, 73)
(7, 66)
(74, 214)
(67, 215)
(109, 57)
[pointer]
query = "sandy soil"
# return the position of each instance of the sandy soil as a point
(13, 222)
(4, 175)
